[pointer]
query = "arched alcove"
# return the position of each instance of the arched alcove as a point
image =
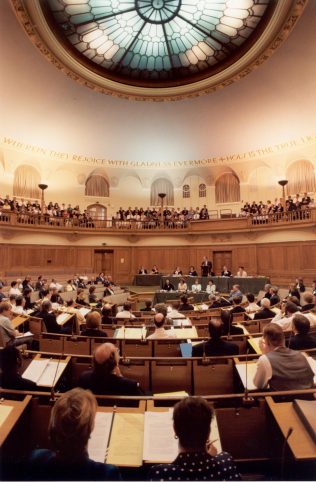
(227, 188)
(301, 177)
(97, 184)
(26, 181)
(162, 185)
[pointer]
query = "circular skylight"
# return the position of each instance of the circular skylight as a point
(158, 41)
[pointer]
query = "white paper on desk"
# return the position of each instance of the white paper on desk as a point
(62, 318)
(255, 343)
(35, 369)
(160, 446)
(99, 439)
(5, 411)
(129, 333)
(44, 372)
(84, 311)
(182, 333)
(26, 334)
(127, 438)
(251, 371)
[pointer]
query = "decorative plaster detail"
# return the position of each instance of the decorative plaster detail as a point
(81, 178)
(252, 235)
(133, 238)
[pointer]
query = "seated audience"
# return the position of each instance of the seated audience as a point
(312, 317)
(55, 298)
(299, 285)
(71, 423)
(49, 318)
(293, 291)
(281, 368)
(210, 287)
(168, 286)
(228, 327)
(126, 312)
(177, 271)
(252, 306)
(184, 305)
(264, 311)
(163, 308)
(235, 292)
(237, 308)
(215, 346)
(93, 325)
(81, 298)
(308, 301)
(148, 306)
(226, 272)
(192, 271)
(274, 298)
(197, 458)
(11, 362)
(267, 292)
(107, 314)
(108, 291)
(70, 286)
(19, 308)
(302, 339)
(9, 334)
(105, 378)
(285, 317)
(196, 287)
(142, 270)
(14, 290)
(39, 283)
(182, 286)
(92, 296)
(160, 332)
(27, 296)
(2, 295)
(241, 273)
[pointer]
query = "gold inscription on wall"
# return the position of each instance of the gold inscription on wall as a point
(13, 144)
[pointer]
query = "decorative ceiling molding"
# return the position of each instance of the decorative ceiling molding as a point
(284, 18)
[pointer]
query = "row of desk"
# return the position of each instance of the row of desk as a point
(223, 284)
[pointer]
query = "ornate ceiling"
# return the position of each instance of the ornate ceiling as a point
(157, 49)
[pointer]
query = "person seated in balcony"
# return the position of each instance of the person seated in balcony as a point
(215, 346)
(192, 271)
(196, 287)
(281, 368)
(71, 423)
(105, 378)
(160, 331)
(182, 286)
(93, 325)
(142, 270)
(177, 271)
(308, 301)
(11, 362)
(168, 286)
(302, 339)
(126, 312)
(226, 272)
(154, 270)
(185, 305)
(241, 273)
(210, 287)
(264, 311)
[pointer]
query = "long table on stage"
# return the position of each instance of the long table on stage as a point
(223, 284)
(163, 296)
(147, 279)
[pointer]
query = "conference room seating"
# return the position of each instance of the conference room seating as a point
(77, 345)
(171, 376)
(213, 375)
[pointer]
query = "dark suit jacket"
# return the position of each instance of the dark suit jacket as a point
(228, 273)
(142, 272)
(168, 287)
(302, 342)
(308, 307)
(263, 314)
(93, 332)
(274, 299)
(206, 268)
(111, 385)
(216, 347)
(186, 307)
(238, 309)
(16, 382)
(50, 322)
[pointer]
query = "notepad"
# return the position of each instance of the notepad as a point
(127, 437)
(182, 333)
(254, 342)
(130, 333)
(251, 371)
(44, 372)
(5, 411)
(84, 311)
(182, 322)
(62, 318)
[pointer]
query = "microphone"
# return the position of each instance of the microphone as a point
(229, 325)
(247, 400)
(289, 433)
(205, 361)
(52, 390)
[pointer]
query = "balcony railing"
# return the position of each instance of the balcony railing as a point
(14, 219)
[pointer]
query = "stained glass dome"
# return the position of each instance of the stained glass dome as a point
(158, 47)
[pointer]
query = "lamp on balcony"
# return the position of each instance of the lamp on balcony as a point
(42, 188)
(162, 196)
(283, 183)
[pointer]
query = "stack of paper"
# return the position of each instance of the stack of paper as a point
(44, 372)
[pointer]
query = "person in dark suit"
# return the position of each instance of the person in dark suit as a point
(168, 286)
(142, 270)
(302, 339)
(206, 266)
(275, 298)
(105, 378)
(215, 346)
(184, 305)
(93, 325)
(148, 306)
(192, 271)
(226, 272)
(49, 318)
(10, 362)
(177, 271)
(308, 300)
(265, 311)
(237, 308)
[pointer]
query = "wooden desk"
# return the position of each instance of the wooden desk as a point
(19, 320)
(51, 377)
(300, 442)
(10, 420)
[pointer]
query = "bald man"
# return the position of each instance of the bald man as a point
(160, 332)
(105, 378)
